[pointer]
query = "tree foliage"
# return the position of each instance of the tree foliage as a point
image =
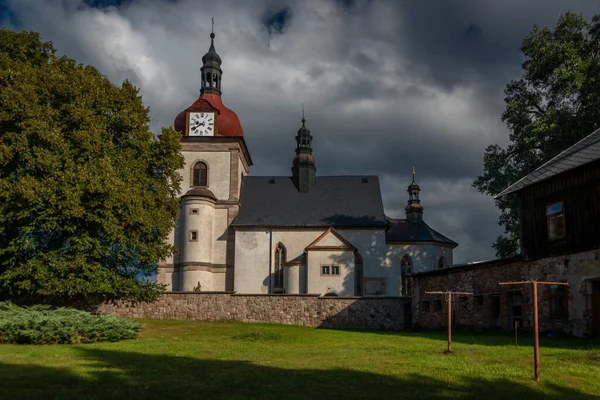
(88, 194)
(555, 104)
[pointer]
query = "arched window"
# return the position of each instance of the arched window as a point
(442, 262)
(200, 175)
(280, 258)
(358, 261)
(406, 268)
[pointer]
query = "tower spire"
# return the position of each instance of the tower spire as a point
(211, 68)
(414, 209)
(303, 166)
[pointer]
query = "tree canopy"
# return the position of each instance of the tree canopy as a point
(553, 105)
(88, 194)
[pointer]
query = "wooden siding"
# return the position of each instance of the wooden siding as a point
(579, 189)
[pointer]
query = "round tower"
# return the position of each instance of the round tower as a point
(198, 211)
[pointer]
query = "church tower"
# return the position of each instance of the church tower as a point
(414, 209)
(303, 167)
(216, 159)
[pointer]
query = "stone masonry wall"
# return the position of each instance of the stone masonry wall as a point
(305, 310)
(493, 305)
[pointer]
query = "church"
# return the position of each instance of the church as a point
(298, 234)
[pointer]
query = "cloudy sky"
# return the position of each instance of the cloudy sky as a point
(386, 85)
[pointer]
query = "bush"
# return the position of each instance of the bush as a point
(46, 325)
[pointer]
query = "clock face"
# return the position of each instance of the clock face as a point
(202, 124)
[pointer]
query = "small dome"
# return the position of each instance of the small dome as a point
(228, 123)
(303, 129)
(304, 159)
(211, 56)
(200, 192)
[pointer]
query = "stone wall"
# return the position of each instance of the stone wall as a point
(306, 310)
(496, 306)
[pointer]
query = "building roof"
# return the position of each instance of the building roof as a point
(466, 266)
(338, 201)
(402, 230)
(228, 123)
(582, 152)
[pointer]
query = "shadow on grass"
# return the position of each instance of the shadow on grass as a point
(124, 375)
(496, 338)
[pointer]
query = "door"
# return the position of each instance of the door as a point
(515, 307)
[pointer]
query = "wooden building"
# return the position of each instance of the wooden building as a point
(559, 213)
(559, 203)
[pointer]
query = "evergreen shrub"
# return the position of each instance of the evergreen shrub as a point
(43, 324)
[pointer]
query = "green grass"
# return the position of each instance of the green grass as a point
(199, 360)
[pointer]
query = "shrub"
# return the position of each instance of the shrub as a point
(46, 325)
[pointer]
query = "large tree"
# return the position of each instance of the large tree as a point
(554, 104)
(88, 194)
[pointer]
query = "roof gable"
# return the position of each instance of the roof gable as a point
(330, 240)
(581, 153)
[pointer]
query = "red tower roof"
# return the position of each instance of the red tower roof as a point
(228, 123)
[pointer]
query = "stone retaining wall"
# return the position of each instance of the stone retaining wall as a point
(306, 310)
(493, 305)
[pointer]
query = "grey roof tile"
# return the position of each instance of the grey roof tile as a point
(338, 201)
(401, 230)
(582, 152)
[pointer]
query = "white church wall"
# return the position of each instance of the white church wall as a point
(252, 250)
(291, 279)
(252, 258)
(342, 284)
(219, 171)
(199, 250)
(218, 280)
(192, 276)
(370, 243)
(425, 256)
(219, 250)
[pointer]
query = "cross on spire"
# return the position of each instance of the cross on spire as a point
(213, 25)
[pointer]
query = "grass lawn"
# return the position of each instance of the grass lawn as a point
(200, 360)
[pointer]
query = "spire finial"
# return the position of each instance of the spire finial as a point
(212, 31)
(413, 174)
(303, 119)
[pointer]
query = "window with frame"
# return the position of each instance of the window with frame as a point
(442, 262)
(335, 270)
(193, 236)
(555, 220)
(325, 270)
(194, 211)
(200, 175)
(406, 268)
(280, 259)
(359, 274)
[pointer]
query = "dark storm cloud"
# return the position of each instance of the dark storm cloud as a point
(276, 22)
(387, 85)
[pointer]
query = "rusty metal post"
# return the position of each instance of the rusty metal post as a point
(536, 338)
(449, 322)
(536, 333)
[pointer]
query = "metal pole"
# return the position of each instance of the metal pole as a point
(516, 333)
(536, 339)
(449, 322)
